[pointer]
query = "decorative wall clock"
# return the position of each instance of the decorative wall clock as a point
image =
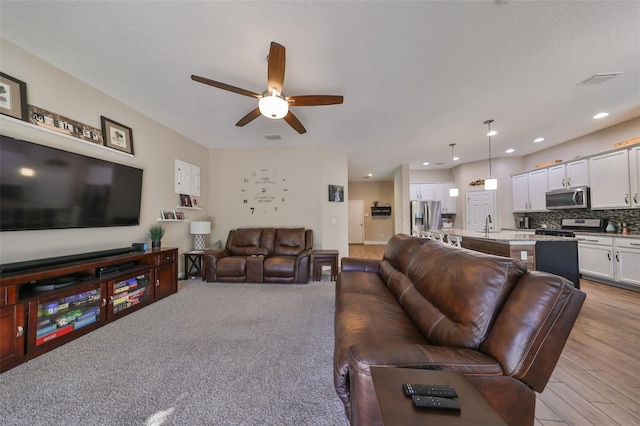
(264, 191)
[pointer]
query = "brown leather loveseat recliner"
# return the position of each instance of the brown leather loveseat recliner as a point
(256, 255)
(430, 305)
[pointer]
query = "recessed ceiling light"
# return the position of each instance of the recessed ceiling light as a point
(510, 150)
(600, 115)
(456, 158)
(492, 133)
(537, 140)
(370, 174)
(426, 163)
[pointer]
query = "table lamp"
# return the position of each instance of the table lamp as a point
(200, 230)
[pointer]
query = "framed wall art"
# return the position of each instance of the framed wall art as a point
(49, 120)
(13, 97)
(336, 193)
(116, 135)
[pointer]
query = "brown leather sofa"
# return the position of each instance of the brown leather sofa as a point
(430, 305)
(256, 255)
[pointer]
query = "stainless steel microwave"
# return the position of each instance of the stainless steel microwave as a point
(573, 198)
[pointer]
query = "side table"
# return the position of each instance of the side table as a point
(193, 264)
(398, 409)
(320, 258)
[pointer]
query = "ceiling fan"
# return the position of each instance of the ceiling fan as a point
(272, 103)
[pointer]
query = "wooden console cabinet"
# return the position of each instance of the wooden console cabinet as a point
(34, 321)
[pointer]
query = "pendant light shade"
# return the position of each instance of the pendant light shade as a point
(490, 184)
(453, 191)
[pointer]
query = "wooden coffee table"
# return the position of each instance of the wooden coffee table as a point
(398, 409)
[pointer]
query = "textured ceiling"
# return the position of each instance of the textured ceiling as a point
(416, 76)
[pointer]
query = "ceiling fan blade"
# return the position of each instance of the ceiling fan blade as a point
(275, 74)
(313, 100)
(249, 117)
(294, 122)
(225, 86)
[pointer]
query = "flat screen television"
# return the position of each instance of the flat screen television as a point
(48, 188)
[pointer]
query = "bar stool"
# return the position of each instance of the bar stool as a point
(454, 241)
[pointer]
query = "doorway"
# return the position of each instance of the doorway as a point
(356, 221)
(481, 204)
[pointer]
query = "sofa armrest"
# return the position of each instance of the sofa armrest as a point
(360, 265)
(261, 251)
(209, 263)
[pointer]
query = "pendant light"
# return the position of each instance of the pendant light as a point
(453, 191)
(490, 184)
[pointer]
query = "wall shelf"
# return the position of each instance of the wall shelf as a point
(188, 208)
(381, 211)
(10, 120)
(173, 220)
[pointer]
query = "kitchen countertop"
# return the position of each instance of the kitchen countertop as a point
(525, 236)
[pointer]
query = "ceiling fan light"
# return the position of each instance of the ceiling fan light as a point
(274, 106)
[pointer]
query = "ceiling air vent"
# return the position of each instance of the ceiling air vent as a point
(599, 78)
(273, 137)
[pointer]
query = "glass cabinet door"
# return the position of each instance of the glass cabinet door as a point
(128, 293)
(59, 316)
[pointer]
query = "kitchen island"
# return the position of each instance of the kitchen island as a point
(549, 253)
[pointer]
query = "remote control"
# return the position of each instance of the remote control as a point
(435, 403)
(443, 391)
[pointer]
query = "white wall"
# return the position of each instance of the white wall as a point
(590, 144)
(155, 146)
(307, 170)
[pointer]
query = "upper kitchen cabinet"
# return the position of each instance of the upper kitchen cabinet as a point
(609, 180)
(528, 191)
(421, 192)
(448, 203)
(634, 174)
(569, 175)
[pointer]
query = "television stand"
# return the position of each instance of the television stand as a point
(49, 302)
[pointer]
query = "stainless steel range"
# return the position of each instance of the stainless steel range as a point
(569, 227)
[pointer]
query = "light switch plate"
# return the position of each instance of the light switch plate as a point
(523, 255)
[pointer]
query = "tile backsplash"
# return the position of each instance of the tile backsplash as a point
(552, 219)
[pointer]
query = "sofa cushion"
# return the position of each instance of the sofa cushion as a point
(457, 293)
(289, 241)
(279, 266)
(233, 266)
(245, 241)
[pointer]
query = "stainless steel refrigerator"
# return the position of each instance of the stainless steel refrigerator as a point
(425, 216)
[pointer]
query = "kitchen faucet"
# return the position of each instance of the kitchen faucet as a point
(487, 221)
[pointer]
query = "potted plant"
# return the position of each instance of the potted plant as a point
(156, 232)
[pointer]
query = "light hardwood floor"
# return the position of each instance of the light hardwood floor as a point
(597, 379)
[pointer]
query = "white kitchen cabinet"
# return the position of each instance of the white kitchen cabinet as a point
(529, 191)
(627, 261)
(609, 180)
(441, 193)
(634, 176)
(595, 256)
(569, 175)
(433, 191)
(421, 191)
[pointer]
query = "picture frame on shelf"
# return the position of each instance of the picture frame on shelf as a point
(185, 200)
(179, 215)
(13, 97)
(194, 202)
(116, 135)
(57, 123)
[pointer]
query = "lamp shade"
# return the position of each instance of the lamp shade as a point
(273, 106)
(490, 184)
(200, 228)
